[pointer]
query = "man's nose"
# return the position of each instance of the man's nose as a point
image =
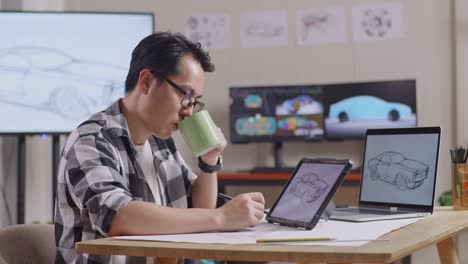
(186, 112)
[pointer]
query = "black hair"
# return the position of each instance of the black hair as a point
(162, 52)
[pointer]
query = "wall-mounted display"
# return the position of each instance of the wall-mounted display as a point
(56, 69)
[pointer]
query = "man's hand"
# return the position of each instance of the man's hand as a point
(242, 211)
(211, 158)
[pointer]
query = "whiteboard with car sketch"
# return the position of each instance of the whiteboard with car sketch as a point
(57, 69)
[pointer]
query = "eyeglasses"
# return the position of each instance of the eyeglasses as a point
(188, 101)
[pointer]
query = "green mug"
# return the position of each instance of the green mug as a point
(200, 133)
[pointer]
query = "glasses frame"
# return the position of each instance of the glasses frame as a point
(188, 100)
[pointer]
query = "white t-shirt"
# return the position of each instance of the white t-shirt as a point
(146, 160)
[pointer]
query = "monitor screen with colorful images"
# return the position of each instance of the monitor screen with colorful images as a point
(317, 112)
(276, 113)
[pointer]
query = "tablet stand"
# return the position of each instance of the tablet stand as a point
(279, 163)
(328, 211)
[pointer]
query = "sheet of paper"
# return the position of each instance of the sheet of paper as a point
(320, 26)
(213, 31)
(345, 233)
(380, 21)
(264, 29)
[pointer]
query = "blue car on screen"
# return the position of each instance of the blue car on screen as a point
(366, 107)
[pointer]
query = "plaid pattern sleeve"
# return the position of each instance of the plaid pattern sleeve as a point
(99, 174)
(93, 178)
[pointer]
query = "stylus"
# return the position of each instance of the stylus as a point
(227, 197)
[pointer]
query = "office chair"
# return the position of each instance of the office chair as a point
(27, 244)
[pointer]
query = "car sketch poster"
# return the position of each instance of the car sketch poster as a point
(56, 69)
(417, 151)
(264, 29)
(320, 26)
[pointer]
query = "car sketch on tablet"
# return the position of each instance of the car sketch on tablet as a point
(309, 188)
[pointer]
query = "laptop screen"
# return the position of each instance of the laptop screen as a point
(400, 168)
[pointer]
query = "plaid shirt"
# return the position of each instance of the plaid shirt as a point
(99, 174)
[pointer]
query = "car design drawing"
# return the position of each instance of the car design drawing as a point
(366, 107)
(261, 29)
(49, 79)
(309, 187)
(396, 169)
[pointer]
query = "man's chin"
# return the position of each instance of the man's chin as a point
(163, 135)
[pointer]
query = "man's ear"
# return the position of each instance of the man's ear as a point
(144, 81)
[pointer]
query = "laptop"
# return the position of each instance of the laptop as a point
(398, 175)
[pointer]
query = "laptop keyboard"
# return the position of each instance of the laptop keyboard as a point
(369, 211)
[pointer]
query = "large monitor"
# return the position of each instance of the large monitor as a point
(352, 108)
(58, 68)
(317, 112)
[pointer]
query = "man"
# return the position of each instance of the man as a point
(120, 172)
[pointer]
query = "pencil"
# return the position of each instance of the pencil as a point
(227, 197)
(303, 239)
(224, 196)
(312, 239)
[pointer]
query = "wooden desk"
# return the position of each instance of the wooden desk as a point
(438, 229)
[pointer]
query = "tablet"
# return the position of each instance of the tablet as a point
(308, 192)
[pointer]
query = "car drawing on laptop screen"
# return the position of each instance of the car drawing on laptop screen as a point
(395, 168)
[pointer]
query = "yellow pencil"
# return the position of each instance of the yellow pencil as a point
(304, 239)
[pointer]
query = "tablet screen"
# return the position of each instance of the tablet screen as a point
(306, 191)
